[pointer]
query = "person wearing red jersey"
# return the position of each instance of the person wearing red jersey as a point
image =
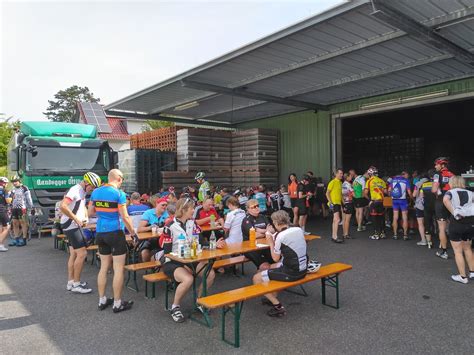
(439, 188)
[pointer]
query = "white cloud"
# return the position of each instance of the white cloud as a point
(117, 48)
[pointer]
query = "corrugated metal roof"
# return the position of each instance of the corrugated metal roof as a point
(345, 53)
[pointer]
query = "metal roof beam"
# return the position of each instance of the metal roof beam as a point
(241, 92)
(159, 117)
(386, 12)
(453, 18)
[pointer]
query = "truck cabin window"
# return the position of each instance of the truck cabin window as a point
(67, 159)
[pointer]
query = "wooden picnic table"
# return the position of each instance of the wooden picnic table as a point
(208, 228)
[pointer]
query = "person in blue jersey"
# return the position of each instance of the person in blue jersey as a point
(400, 189)
(136, 209)
(108, 202)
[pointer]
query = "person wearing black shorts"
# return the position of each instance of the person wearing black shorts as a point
(108, 202)
(4, 221)
(304, 195)
(460, 204)
(288, 251)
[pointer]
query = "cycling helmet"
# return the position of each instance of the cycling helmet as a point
(4, 180)
(372, 171)
(442, 161)
(92, 179)
(199, 175)
(313, 266)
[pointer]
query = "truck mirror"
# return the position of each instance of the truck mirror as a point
(115, 158)
(13, 159)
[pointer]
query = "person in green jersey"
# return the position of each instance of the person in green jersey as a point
(204, 187)
(360, 202)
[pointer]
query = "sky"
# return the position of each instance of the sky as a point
(116, 48)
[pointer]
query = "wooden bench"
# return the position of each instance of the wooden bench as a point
(160, 276)
(148, 265)
(232, 301)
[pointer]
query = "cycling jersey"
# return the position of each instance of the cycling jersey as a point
(358, 185)
(375, 185)
(204, 191)
(428, 196)
(347, 192)
(21, 197)
(200, 213)
(4, 194)
(398, 188)
(291, 245)
(261, 222)
(442, 178)
(419, 200)
(106, 200)
(233, 222)
(335, 188)
(76, 198)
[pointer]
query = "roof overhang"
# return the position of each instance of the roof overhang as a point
(358, 49)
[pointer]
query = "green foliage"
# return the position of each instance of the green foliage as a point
(158, 124)
(62, 108)
(7, 128)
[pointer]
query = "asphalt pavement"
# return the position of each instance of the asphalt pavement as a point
(398, 299)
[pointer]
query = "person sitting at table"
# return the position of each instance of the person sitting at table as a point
(202, 217)
(171, 209)
(261, 258)
(152, 217)
(182, 274)
(136, 209)
(288, 250)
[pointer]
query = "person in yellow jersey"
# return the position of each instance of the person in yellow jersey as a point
(334, 196)
(374, 191)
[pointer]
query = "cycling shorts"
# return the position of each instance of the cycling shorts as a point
(282, 273)
(4, 221)
(17, 213)
(348, 208)
(400, 205)
(112, 243)
(376, 208)
(76, 238)
(441, 212)
(360, 202)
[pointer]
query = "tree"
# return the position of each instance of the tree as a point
(7, 128)
(63, 107)
(159, 124)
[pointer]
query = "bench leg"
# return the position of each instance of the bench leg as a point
(330, 281)
(236, 311)
(302, 293)
(135, 283)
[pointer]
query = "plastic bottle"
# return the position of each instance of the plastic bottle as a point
(212, 241)
(181, 245)
(194, 248)
(213, 221)
(252, 237)
(187, 249)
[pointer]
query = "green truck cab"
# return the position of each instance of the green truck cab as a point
(50, 157)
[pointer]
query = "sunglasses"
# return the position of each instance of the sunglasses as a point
(254, 206)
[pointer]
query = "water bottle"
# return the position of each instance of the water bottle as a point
(213, 221)
(181, 245)
(187, 249)
(212, 241)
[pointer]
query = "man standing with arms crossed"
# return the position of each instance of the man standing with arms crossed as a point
(74, 216)
(109, 204)
(21, 197)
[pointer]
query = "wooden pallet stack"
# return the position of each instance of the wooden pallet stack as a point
(180, 179)
(164, 139)
(204, 150)
(255, 157)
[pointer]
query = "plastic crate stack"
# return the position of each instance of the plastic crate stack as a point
(163, 139)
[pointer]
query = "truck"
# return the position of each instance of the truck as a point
(50, 157)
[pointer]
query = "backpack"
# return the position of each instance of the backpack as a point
(397, 191)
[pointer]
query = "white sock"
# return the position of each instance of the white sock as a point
(174, 306)
(75, 284)
(70, 282)
(102, 300)
(117, 303)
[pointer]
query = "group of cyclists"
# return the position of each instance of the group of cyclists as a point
(14, 206)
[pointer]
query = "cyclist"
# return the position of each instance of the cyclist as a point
(21, 201)
(429, 201)
(204, 186)
(109, 203)
(360, 202)
(4, 221)
(374, 191)
(439, 188)
(398, 189)
(74, 217)
(334, 196)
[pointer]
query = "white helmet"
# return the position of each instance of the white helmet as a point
(313, 266)
(199, 175)
(4, 179)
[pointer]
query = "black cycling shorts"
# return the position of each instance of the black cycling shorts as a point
(17, 213)
(419, 213)
(336, 208)
(441, 212)
(170, 267)
(360, 202)
(348, 208)
(302, 209)
(282, 273)
(151, 244)
(461, 231)
(4, 221)
(112, 243)
(76, 238)
(259, 257)
(293, 202)
(376, 208)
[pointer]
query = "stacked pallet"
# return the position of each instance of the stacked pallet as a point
(255, 157)
(204, 150)
(180, 179)
(163, 139)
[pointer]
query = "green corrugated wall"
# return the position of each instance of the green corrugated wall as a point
(305, 137)
(305, 142)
